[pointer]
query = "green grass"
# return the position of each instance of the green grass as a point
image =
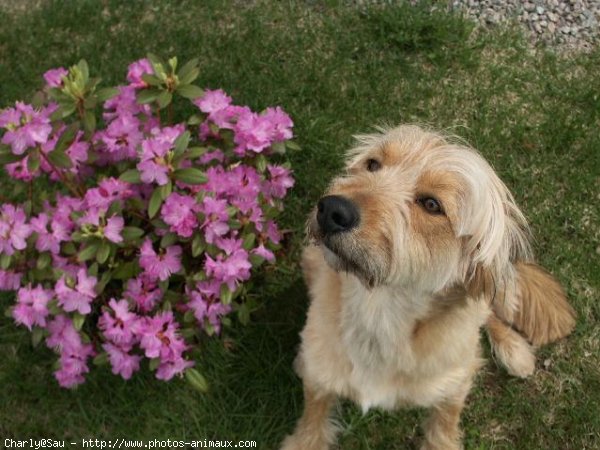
(337, 71)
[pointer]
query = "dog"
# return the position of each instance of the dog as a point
(412, 250)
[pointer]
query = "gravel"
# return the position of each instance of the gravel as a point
(567, 24)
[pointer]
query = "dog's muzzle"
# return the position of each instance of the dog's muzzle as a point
(336, 214)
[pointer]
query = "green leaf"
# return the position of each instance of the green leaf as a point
(164, 98)
(195, 119)
(5, 261)
(182, 142)
(165, 189)
(155, 202)
(126, 270)
(195, 152)
(106, 93)
(226, 295)
(189, 91)
(243, 313)
(67, 138)
(168, 240)
(256, 260)
(60, 159)
(88, 252)
(196, 380)
(153, 364)
(189, 317)
(197, 245)
(173, 63)
(93, 270)
(37, 334)
(9, 158)
(189, 71)
(85, 71)
(278, 147)
(33, 162)
(131, 233)
(78, 320)
(104, 279)
(89, 121)
(68, 248)
(103, 252)
(131, 176)
(190, 77)
(38, 100)
(43, 261)
(101, 359)
(291, 145)
(261, 163)
(249, 240)
(90, 102)
(190, 175)
(147, 95)
(151, 79)
(64, 111)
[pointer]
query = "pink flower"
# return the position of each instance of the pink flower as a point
(136, 70)
(213, 101)
(73, 352)
(252, 132)
(31, 308)
(206, 306)
(281, 124)
(143, 292)
(160, 266)
(125, 104)
(159, 338)
(122, 136)
(120, 326)
(122, 363)
(48, 239)
(26, 127)
(73, 367)
(281, 180)
(9, 281)
(108, 191)
(153, 165)
(264, 252)
(179, 211)
(63, 335)
(13, 229)
(230, 270)
(114, 227)
(79, 297)
(175, 366)
(54, 77)
(216, 217)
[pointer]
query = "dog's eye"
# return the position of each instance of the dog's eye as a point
(431, 205)
(373, 165)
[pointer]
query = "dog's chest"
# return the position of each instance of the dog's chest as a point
(376, 336)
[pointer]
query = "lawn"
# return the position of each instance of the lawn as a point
(337, 71)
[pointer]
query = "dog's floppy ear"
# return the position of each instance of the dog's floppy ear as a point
(495, 233)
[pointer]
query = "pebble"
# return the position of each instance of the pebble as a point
(567, 24)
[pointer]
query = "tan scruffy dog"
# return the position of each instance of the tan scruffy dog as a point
(415, 247)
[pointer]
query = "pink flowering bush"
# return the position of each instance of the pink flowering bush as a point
(136, 234)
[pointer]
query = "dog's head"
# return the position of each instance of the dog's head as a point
(419, 210)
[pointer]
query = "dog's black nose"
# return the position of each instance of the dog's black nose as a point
(336, 213)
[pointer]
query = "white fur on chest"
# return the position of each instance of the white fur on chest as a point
(377, 330)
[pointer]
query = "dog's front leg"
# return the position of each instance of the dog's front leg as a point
(442, 431)
(314, 430)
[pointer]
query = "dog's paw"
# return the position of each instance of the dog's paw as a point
(517, 356)
(295, 442)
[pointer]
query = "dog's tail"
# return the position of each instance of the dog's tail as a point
(536, 312)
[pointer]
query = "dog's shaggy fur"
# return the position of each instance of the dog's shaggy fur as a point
(398, 299)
